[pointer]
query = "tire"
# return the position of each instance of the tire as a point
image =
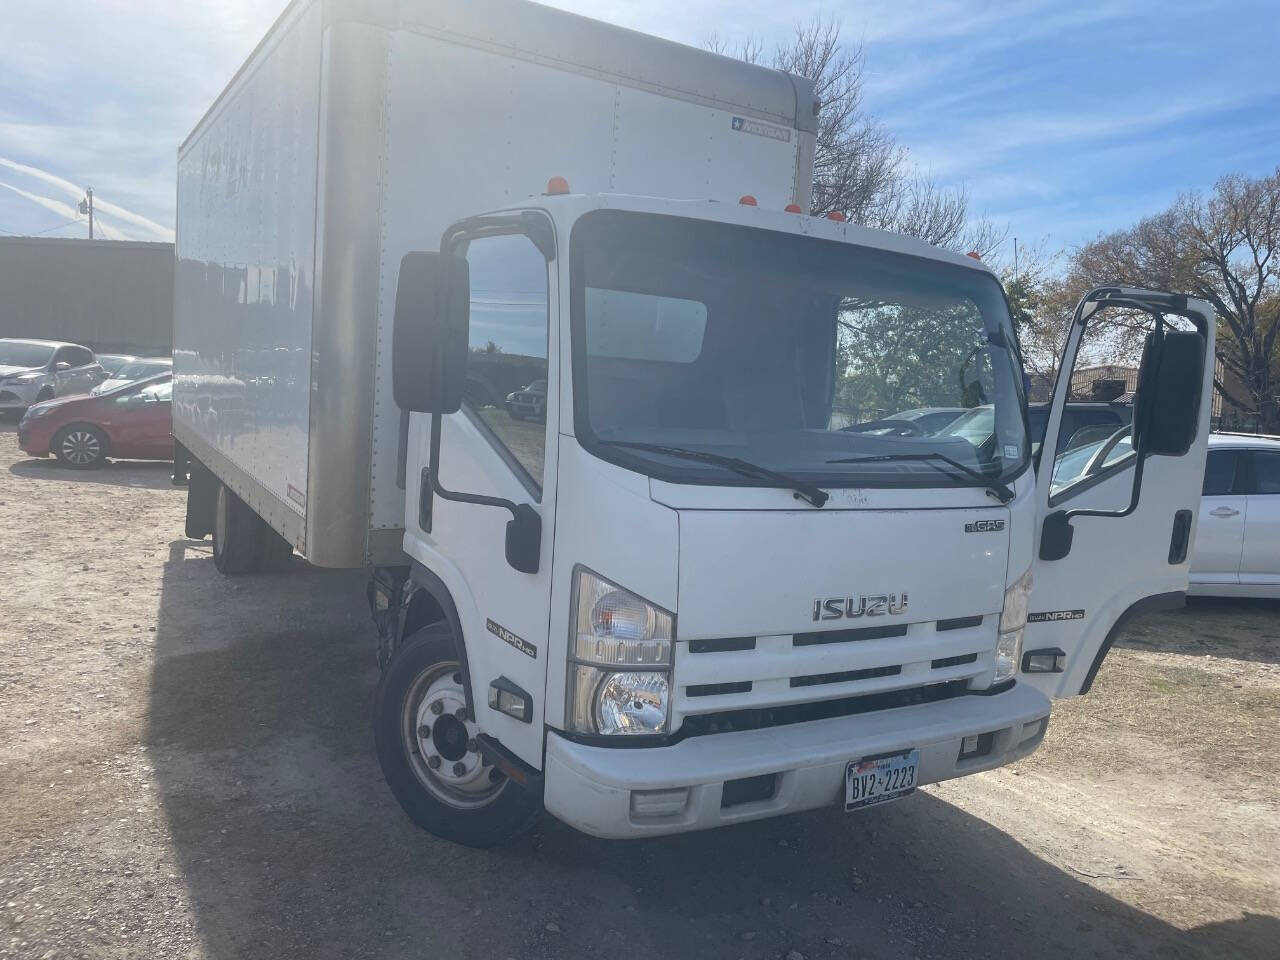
(80, 446)
(471, 803)
(236, 534)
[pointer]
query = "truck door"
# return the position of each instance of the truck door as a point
(1116, 516)
(494, 460)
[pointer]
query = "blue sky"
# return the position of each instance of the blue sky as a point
(1061, 120)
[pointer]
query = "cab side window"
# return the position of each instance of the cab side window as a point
(506, 388)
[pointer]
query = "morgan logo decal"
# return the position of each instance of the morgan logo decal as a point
(1048, 616)
(521, 644)
(849, 608)
(984, 526)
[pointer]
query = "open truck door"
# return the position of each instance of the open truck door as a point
(1116, 508)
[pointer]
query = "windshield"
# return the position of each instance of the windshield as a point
(24, 354)
(789, 352)
(140, 369)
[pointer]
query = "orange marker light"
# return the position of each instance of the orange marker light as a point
(557, 187)
(747, 201)
(793, 208)
(975, 254)
(837, 216)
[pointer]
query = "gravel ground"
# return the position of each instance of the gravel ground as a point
(186, 770)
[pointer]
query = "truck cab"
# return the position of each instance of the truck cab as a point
(693, 593)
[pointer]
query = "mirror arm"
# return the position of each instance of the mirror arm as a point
(524, 530)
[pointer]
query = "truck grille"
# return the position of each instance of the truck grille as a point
(719, 676)
(731, 721)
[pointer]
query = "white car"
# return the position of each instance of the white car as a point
(139, 368)
(1237, 546)
(32, 371)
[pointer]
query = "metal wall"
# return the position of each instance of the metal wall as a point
(110, 295)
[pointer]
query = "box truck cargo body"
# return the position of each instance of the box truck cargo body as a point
(525, 313)
(358, 132)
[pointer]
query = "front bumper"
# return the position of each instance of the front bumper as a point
(18, 396)
(604, 791)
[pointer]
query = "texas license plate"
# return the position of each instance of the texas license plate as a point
(877, 779)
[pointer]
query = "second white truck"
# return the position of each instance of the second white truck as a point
(526, 314)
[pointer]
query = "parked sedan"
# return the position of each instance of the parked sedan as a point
(1237, 547)
(136, 369)
(528, 402)
(32, 371)
(132, 422)
(111, 362)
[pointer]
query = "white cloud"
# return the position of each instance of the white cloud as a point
(105, 206)
(68, 211)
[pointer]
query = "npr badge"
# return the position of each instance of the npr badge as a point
(1051, 616)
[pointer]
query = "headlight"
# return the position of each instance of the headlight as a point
(1013, 621)
(619, 660)
(38, 410)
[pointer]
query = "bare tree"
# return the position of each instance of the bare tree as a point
(1225, 248)
(859, 168)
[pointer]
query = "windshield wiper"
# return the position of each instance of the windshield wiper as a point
(805, 491)
(1001, 491)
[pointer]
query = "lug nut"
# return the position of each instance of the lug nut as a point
(437, 707)
(424, 731)
(495, 775)
(433, 762)
(459, 769)
(457, 678)
(461, 714)
(472, 746)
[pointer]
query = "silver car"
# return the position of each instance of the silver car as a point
(32, 371)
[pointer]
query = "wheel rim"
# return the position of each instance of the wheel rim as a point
(220, 519)
(81, 447)
(439, 740)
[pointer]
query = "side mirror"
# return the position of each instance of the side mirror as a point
(524, 539)
(61, 365)
(1167, 406)
(429, 337)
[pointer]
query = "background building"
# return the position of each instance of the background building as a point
(110, 295)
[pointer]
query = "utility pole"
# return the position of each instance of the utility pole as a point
(86, 206)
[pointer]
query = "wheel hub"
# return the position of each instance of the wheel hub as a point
(441, 740)
(80, 447)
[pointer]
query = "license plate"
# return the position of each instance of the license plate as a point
(878, 779)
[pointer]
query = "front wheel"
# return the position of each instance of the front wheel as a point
(427, 747)
(80, 447)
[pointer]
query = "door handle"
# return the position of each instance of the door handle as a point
(1224, 512)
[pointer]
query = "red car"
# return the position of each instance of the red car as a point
(133, 422)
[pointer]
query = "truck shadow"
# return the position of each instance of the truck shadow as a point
(151, 474)
(290, 845)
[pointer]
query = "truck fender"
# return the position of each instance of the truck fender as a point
(428, 601)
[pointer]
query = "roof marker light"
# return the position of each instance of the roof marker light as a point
(747, 200)
(975, 254)
(557, 187)
(837, 216)
(793, 208)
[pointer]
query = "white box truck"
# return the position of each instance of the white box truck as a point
(666, 521)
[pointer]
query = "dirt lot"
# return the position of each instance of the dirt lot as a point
(186, 770)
